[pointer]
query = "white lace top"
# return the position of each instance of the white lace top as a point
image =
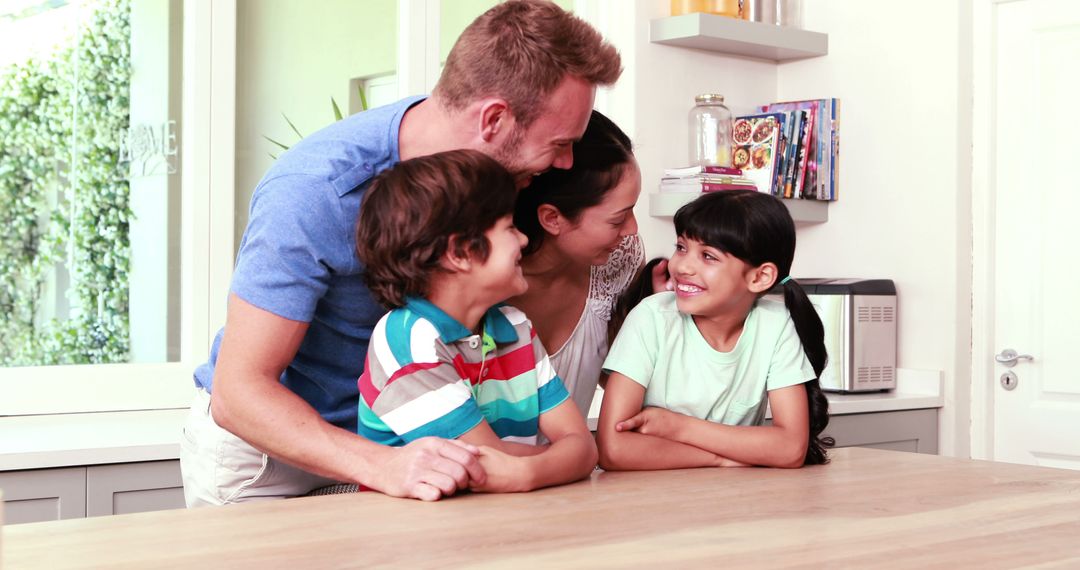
(579, 359)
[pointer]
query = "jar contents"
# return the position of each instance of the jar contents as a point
(710, 131)
(728, 8)
(789, 13)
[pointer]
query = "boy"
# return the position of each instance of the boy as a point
(437, 238)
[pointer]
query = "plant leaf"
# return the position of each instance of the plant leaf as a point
(363, 98)
(292, 126)
(283, 147)
(337, 110)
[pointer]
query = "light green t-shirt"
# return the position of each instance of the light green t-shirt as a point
(662, 349)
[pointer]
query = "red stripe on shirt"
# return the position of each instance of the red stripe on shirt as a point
(505, 367)
(411, 369)
(367, 387)
(367, 390)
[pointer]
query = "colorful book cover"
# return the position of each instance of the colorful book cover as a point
(757, 148)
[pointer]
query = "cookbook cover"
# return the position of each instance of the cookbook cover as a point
(757, 148)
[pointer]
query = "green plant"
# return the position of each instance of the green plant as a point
(52, 147)
(338, 115)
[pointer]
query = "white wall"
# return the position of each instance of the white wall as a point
(292, 56)
(904, 209)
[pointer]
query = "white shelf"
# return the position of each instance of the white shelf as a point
(738, 37)
(664, 204)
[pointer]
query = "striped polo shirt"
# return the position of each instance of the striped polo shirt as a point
(428, 375)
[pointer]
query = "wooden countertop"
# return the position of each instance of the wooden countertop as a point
(869, 508)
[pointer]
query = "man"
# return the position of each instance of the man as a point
(518, 85)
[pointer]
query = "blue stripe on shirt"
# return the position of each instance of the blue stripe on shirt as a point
(451, 425)
(552, 394)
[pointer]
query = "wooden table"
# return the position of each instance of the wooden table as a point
(869, 508)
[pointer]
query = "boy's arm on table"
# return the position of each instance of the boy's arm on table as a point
(250, 401)
(483, 435)
(570, 456)
(782, 444)
(631, 450)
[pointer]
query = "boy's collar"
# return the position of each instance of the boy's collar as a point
(450, 330)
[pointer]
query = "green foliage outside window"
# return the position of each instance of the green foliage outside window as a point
(46, 144)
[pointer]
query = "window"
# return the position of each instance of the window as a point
(105, 171)
(121, 222)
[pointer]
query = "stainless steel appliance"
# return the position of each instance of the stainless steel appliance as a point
(860, 332)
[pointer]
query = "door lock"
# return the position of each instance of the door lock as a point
(1009, 380)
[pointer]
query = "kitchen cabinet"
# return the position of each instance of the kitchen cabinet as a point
(909, 430)
(914, 431)
(44, 494)
(36, 495)
(133, 488)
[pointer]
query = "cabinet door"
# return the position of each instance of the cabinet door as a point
(43, 494)
(912, 430)
(133, 488)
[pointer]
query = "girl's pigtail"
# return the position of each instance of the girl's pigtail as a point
(812, 335)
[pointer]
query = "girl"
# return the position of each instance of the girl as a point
(691, 369)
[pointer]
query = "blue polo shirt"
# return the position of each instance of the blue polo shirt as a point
(297, 258)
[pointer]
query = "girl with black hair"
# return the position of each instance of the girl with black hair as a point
(692, 370)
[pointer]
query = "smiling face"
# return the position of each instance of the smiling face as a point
(708, 282)
(548, 141)
(600, 229)
(499, 277)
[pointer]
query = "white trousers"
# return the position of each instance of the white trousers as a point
(220, 468)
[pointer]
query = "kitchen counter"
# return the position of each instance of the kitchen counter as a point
(63, 440)
(37, 442)
(867, 509)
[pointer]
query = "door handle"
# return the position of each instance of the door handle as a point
(1010, 357)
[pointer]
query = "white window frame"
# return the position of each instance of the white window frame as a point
(207, 205)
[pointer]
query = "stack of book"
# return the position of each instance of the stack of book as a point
(705, 179)
(791, 149)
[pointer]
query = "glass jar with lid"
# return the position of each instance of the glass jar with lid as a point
(710, 131)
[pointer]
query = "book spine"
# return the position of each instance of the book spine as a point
(793, 153)
(718, 187)
(729, 170)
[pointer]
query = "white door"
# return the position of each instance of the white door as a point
(1033, 170)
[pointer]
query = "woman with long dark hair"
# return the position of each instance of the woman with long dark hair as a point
(583, 252)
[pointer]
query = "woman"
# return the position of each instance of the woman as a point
(583, 252)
